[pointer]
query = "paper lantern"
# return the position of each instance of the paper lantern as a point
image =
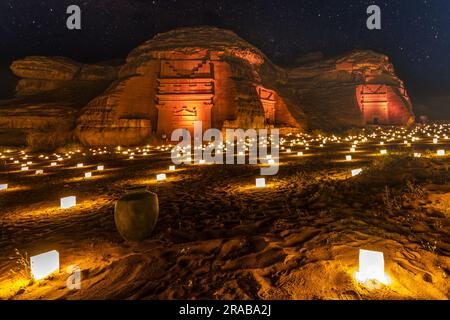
(44, 264)
(355, 172)
(100, 168)
(80, 165)
(88, 175)
(171, 168)
(441, 153)
(3, 186)
(435, 141)
(161, 177)
(371, 267)
(68, 202)
(348, 158)
(260, 182)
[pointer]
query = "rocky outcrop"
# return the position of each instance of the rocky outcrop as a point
(351, 90)
(188, 74)
(206, 74)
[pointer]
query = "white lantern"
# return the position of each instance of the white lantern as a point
(100, 168)
(24, 168)
(355, 172)
(171, 168)
(417, 155)
(80, 165)
(161, 177)
(435, 140)
(384, 151)
(288, 151)
(299, 154)
(88, 175)
(68, 202)
(44, 264)
(352, 150)
(371, 267)
(348, 158)
(3, 186)
(38, 172)
(260, 182)
(53, 164)
(441, 153)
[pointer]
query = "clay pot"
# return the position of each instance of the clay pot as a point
(136, 214)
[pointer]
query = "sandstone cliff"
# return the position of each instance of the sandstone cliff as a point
(206, 74)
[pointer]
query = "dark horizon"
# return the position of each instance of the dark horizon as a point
(415, 35)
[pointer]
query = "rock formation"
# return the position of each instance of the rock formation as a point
(351, 90)
(206, 74)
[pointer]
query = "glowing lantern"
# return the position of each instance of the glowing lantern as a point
(24, 168)
(100, 168)
(299, 154)
(384, 151)
(68, 202)
(202, 161)
(441, 153)
(88, 175)
(53, 164)
(171, 168)
(80, 165)
(435, 140)
(352, 150)
(355, 172)
(260, 182)
(371, 267)
(3, 186)
(161, 177)
(44, 264)
(348, 158)
(288, 151)
(39, 172)
(417, 155)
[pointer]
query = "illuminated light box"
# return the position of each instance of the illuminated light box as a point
(39, 172)
(355, 172)
(3, 186)
(371, 267)
(171, 168)
(417, 155)
(260, 182)
(44, 264)
(68, 202)
(100, 168)
(24, 168)
(161, 177)
(299, 154)
(348, 158)
(88, 175)
(384, 151)
(441, 153)
(80, 165)
(352, 150)
(53, 164)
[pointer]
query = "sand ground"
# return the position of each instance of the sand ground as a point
(219, 237)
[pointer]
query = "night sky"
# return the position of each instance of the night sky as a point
(415, 33)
